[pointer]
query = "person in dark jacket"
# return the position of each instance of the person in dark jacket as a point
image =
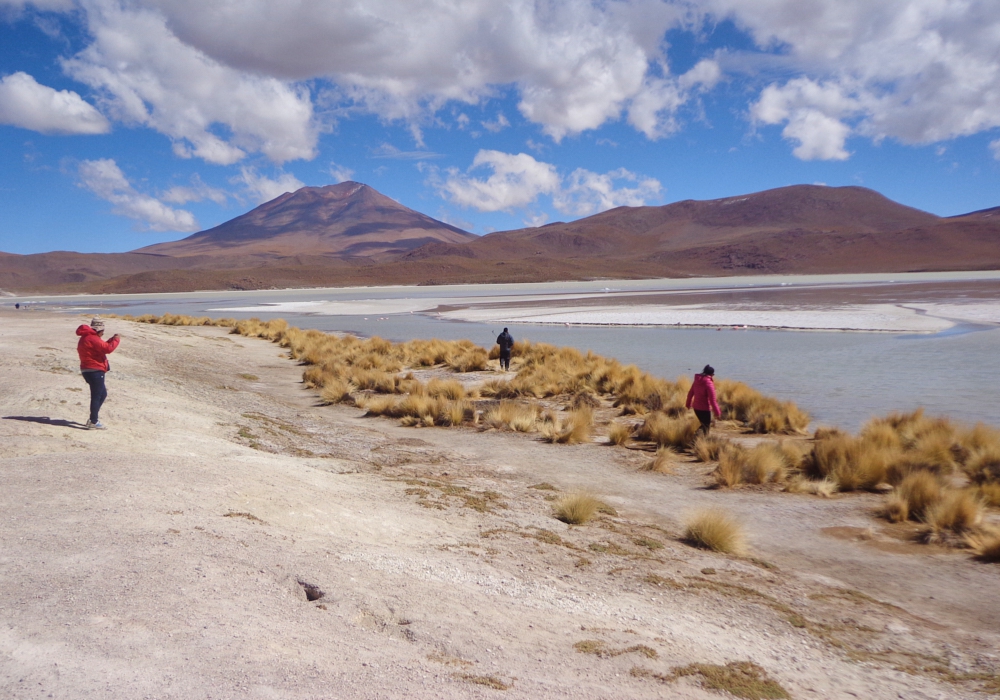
(701, 397)
(94, 351)
(506, 341)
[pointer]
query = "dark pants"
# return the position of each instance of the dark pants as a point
(705, 418)
(98, 392)
(505, 360)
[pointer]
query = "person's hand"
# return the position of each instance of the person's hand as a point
(116, 335)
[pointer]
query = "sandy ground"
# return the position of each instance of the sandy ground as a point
(170, 556)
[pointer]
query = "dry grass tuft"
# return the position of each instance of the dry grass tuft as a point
(571, 430)
(511, 415)
(916, 494)
(744, 679)
(707, 449)
(714, 529)
(986, 546)
(577, 508)
(824, 488)
(760, 464)
(663, 463)
(619, 433)
(989, 494)
(336, 391)
(958, 512)
(668, 432)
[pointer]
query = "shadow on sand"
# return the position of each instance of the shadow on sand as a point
(49, 421)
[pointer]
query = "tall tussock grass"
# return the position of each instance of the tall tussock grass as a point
(767, 462)
(714, 529)
(889, 449)
(572, 429)
(512, 415)
(668, 432)
(577, 508)
(916, 494)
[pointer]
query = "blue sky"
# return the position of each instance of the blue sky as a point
(129, 122)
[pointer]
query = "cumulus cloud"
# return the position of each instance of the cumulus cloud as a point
(105, 179)
(27, 104)
(146, 75)
(224, 80)
(585, 192)
(653, 110)
(517, 181)
(918, 71)
(262, 189)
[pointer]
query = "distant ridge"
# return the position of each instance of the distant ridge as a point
(349, 234)
(345, 220)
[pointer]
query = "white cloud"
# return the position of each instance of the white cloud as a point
(262, 189)
(105, 179)
(226, 79)
(27, 104)
(50, 5)
(148, 76)
(497, 125)
(653, 110)
(340, 173)
(919, 71)
(587, 192)
(813, 114)
(198, 191)
(517, 181)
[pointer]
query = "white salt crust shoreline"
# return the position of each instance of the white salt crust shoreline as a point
(891, 318)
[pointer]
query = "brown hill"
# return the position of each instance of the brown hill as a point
(345, 220)
(802, 229)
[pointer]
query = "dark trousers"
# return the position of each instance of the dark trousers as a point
(505, 360)
(98, 392)
(705, 418)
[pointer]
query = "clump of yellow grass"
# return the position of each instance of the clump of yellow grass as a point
(707, 449)
(761, 414)
(663, 462)
(761, 464)
(668, 432)
(958, 513)
(577, 508)
(619, 433)
(373, 365)
(916, 494)
(511, 415)
(986, 545)
(714, 529)
(824, 488)
(573, 429)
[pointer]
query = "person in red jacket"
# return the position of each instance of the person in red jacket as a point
(94, 351)
(701, 397)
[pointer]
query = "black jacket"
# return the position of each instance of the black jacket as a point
(506, 341)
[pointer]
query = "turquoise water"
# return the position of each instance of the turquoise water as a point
(840, 378)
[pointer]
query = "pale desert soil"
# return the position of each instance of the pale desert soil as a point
(162, 558)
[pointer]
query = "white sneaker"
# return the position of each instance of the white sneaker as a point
(96, 426)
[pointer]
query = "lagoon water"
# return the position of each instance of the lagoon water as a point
(841, 378)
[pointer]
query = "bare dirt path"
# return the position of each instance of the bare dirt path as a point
(175, 554)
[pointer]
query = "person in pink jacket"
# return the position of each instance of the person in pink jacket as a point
(701, 397)
(94, 351)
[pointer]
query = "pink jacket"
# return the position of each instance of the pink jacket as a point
(93, 349)
(701, 396)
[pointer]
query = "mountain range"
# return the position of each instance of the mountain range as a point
(349, 234)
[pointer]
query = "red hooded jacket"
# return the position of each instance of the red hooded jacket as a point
(701, 396)
(93, 350)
